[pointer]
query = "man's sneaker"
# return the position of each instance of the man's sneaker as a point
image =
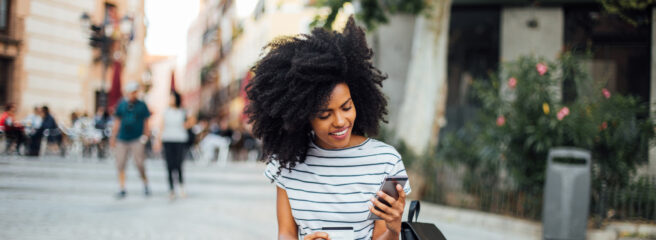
(121, 194)
(172, 196)
(146, 191)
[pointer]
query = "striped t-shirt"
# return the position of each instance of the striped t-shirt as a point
(333, 188)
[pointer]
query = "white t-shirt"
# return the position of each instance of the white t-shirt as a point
(174, 130)
(333, 188)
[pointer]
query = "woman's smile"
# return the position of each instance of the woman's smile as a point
(341, 134)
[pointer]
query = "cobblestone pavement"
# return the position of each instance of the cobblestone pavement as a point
(73, 198)
(57, 198)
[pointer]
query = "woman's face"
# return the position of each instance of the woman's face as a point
(334, 122)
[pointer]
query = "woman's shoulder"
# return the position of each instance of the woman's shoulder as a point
(381, 148)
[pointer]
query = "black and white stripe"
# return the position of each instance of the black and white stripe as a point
(333, 187)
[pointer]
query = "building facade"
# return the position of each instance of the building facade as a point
(46, 57)
(243, 47)
(162, 72)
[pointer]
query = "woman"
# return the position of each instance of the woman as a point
(50, 128)
(13, 130)
(173, 137)
(314, 100)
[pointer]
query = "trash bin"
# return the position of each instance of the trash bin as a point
(566, 194)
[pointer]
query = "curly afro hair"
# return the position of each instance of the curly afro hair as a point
(294, 80)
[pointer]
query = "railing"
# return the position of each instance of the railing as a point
(635, 202)
(455, 187)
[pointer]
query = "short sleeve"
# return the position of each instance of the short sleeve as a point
(399, 170)
(120, 109)
(271, 173)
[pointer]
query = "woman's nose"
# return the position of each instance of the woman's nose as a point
(339, 121)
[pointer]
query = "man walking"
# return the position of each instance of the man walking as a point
(130, 134)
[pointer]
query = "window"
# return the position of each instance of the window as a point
(5, 78)
(473, 54)
(4, 16)
(620, 51)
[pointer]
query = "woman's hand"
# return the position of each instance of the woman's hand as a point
(393, 213)
(317, 236)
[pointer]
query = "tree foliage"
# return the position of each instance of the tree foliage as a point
(372, 12)
(627, 9)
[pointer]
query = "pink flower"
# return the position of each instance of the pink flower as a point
(501, 120)
(562, 113)
(606, 93)
(512, 82)
(603, 126)
(542, 68)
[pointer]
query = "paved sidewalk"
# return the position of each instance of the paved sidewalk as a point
(58, 198)
(64, 199)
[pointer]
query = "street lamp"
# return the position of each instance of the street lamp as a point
(101, 37)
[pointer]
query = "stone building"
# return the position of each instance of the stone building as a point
(45, 56)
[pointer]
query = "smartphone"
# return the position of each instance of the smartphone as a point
(339, 233)
(389, 188)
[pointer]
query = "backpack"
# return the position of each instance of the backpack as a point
(413, 230)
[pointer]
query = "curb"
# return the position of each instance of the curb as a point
(519, 228)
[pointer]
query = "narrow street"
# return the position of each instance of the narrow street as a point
(55, 198)
(69, 198)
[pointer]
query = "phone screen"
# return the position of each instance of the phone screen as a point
(389, 188)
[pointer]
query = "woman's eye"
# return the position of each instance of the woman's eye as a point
(324, 117)
(347, 108)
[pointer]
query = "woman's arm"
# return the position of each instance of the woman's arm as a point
(157, 145)
(286, 226)
(382, 233)
(191, 121)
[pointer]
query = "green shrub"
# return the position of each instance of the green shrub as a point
(518, 124)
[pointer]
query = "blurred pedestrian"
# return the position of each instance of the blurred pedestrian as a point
(13, 129)
(102, 121)
(87, 136)
(130, 134)
(33, 130)
(174, 137)
(219, 137)
(51, 131)
(74, 118)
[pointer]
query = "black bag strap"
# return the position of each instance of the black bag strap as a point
(414, 209)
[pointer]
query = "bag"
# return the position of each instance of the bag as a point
(413, 230)
(191, 136)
